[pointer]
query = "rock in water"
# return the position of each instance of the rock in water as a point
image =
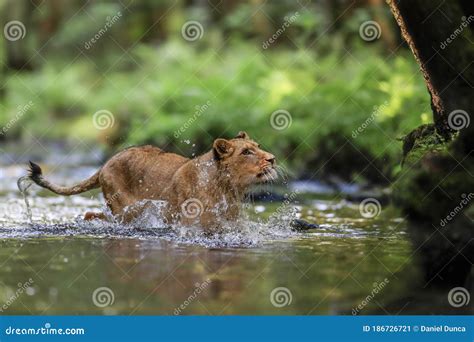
(299, 225)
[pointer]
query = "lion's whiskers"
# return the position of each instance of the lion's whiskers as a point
(282, 172)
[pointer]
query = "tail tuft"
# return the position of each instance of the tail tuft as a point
(35, 171)
(36, 175)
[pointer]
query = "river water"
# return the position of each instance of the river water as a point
(60, 264)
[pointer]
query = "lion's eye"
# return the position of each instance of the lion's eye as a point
(247, 152)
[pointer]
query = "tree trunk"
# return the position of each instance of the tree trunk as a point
(428, 26)
(436, 186)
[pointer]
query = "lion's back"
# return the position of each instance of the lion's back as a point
(143, 170)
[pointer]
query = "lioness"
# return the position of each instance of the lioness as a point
(204, 190)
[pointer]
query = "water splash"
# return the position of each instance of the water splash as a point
(58, 216)
(259, 224)
(243, 232)
(23, 184)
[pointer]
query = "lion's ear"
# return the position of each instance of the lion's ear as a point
(222, 148)
(242, 135)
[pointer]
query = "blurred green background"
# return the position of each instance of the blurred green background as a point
(155, 80)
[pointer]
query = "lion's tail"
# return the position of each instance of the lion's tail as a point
(36, 175)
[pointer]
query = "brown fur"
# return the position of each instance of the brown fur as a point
(203, 190)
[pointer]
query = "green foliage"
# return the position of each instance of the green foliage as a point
(326, 96)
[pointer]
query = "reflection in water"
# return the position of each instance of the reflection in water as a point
(444, 256)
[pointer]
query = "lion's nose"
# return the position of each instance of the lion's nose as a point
(270, 158)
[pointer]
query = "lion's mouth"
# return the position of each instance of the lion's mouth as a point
(267, 174)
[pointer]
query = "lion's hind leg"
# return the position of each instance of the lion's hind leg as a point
(89, 216)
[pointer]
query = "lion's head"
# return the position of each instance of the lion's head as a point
(244, 161)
